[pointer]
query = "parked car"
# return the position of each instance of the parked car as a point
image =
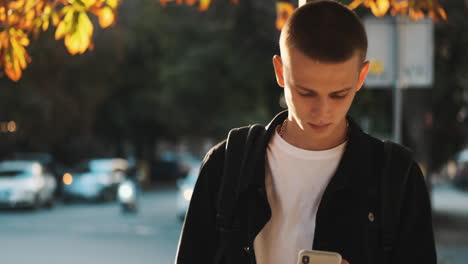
(95, 180)
(46, 160)
(186, 186)
(461, 176)
(26, 184)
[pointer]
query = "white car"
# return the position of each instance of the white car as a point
(95, 180)
(186, 187)
(25, 184)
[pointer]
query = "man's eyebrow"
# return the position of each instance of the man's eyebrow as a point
(305, 89)
(334, 92)
(343, 90)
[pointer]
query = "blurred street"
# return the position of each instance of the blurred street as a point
(99, 233)
(451, 224)
(96, 233)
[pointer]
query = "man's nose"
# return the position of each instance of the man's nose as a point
(320, 109)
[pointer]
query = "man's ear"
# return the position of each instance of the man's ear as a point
(363, 74)
(278, 66)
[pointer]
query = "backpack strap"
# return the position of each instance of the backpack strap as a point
(397, 165)
(240, 146)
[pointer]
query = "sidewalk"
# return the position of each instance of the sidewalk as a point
(450, 215)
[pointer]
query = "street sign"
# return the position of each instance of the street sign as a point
(380, 52)
(403, 45)
(416, 52)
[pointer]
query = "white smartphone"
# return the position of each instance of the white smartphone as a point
(318, 257)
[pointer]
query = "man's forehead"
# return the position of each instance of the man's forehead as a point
(315, 75)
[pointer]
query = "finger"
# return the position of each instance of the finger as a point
(344, 261)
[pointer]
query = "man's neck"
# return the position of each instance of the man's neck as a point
(295, 136)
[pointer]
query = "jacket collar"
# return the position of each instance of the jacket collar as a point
(349, 164)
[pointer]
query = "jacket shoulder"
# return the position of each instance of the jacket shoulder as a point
(215, 151)
(397, 149)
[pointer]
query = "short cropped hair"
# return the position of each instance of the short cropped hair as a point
(325, 30)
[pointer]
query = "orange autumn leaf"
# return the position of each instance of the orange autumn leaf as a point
(78, 40)
(353, 5)
(87, 3)
(66, 24)
(113, 3)
(106, 17)
(21, 18)
(379, 7)
(416, 14)
(191, 2)
(73, 24)
(442, 13)
(283, 11)
(204, 5)
(14, 55)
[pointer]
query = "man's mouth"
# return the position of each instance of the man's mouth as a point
(321, 126)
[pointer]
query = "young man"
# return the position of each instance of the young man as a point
(316, 179)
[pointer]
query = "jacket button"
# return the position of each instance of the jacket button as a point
(247, 249)
(371, 217)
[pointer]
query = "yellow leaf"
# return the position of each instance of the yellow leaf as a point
(79, 40)
(380, 7)
(88, 3)
(24, 41)
(84, 23)
(106, 17)
(17, 54)
(204, 5)
(45, 25)
(113, 3)
(3, 40)
(72, 44)
(432, 15)
(65, 25)
(283, 11)
(61, 30)
(47, 10)
(2, 14)
(442, 13)
(15, 58)
(55, 18)
(355, 4)
(16, 4)
(367, 3)
(164, 2)
(403, 4)
(416, 14)
(190, 2)
(29, 4)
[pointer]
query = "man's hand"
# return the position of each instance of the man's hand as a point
(344, 261)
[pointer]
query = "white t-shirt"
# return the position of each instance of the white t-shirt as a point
(295, 181)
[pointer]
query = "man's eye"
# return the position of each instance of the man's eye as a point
(336, 96)
(306, 94)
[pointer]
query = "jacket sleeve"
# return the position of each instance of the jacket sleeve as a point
(415, 242)
(199, 238)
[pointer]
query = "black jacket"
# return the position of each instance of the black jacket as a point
(347, 219)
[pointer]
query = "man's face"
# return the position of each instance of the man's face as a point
(318, 94)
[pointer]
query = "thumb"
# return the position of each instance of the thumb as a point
(344, 261)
